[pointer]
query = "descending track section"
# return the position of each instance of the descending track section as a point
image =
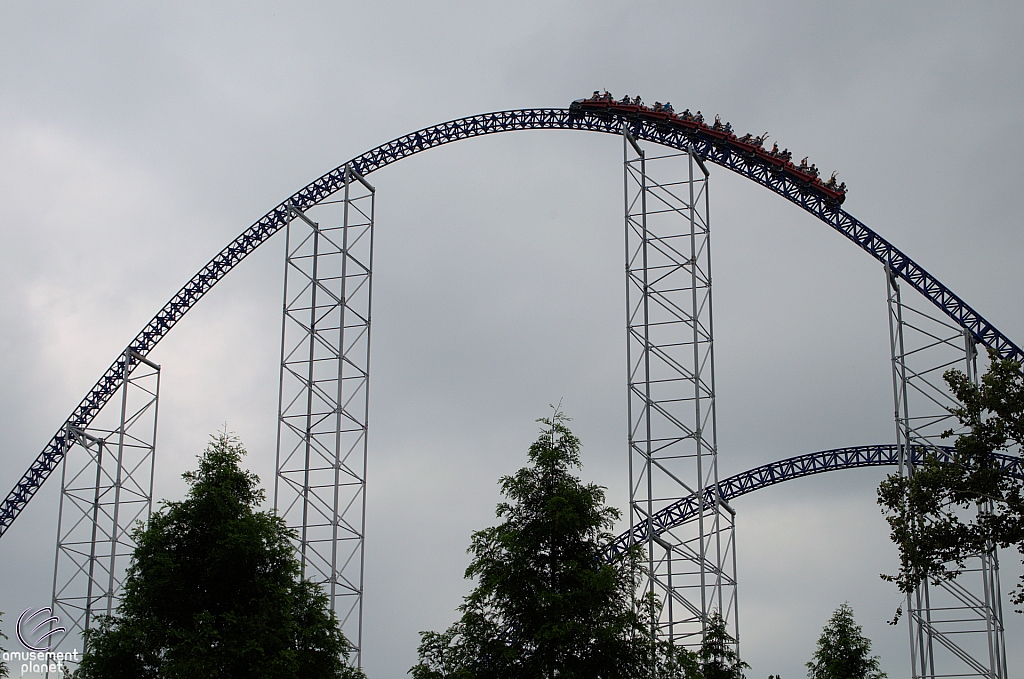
(726, 152)
(785, 470)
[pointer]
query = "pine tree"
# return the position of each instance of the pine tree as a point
(547, 602)
(4, 670)
(718, 656)
(843, 651)
(213, 590)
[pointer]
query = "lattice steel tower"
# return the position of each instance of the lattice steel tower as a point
(320, 483)
(956, 626)
(673, 444)
(106, 489)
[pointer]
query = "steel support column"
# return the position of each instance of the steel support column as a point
(106, 488)
(320, 483)
(690, 569)
(956, 627)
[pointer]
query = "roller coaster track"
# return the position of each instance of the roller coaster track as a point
(719, 151)
(770, 474)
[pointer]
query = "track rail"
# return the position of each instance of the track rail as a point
(719, 151)
(770, 474)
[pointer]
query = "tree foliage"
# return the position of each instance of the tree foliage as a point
(4, 670)
(214, 590)
(546, 601)
(843, 651)
(718, 656)
(934, 514)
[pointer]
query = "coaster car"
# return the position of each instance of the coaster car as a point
(603, 103)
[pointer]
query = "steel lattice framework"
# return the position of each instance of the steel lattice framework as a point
(717, 151)
(320, 481)
(956, 626)
(673, 437)
(106, 487)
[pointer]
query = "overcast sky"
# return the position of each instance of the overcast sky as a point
(136, 139)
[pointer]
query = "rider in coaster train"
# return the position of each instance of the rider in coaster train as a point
(726, 127)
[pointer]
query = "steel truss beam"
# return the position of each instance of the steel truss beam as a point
(855, 457)
(106, 489)
(671, 386)
(956, 626)
(320, 482)
(719, 151)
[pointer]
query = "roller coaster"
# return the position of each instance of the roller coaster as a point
(680, 510)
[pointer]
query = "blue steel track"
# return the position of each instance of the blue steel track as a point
(770, 474)
(719, 151)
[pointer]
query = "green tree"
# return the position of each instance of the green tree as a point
(843, 651)
(718, 656)
(934, 514)
(213, 590)
(547, 603)
(4, 670)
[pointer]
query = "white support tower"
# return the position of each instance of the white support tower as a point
(320, 482)
(106, 490)
(673, 448)
(956, 626)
